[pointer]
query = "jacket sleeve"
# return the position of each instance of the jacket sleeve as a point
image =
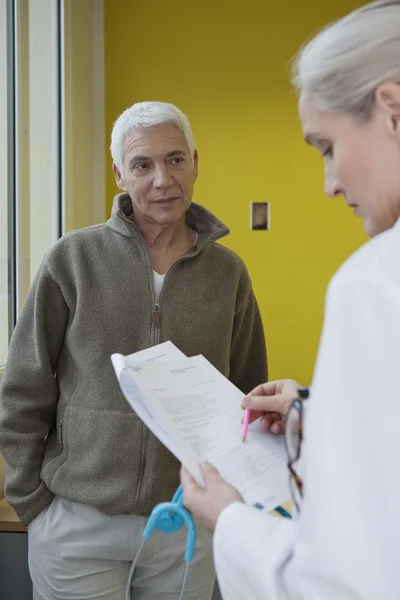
(248, 360)
(344, 543)
(29, 392)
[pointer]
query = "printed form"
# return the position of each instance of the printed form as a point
(195, 412)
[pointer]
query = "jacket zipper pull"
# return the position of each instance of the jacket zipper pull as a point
(156, 320)
(60, 426)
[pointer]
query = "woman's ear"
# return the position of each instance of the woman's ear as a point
(388, 99)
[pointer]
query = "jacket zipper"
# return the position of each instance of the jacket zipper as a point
(156, 321)
(157, 300)
(155, 338)
(60, 425)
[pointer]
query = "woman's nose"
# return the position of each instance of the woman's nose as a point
(332, 188)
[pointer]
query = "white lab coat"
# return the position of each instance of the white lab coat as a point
(345, 544)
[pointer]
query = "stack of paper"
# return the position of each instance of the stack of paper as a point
(196, 413)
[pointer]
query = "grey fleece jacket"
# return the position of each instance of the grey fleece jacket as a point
(65, 427)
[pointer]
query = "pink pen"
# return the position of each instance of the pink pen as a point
(246, 420)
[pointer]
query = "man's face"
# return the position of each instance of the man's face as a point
(158, 174)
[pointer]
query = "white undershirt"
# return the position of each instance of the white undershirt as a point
(158, 280)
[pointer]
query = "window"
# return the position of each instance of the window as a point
(51, 103)
(30, 113)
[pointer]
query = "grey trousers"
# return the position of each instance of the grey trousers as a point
(76, 553)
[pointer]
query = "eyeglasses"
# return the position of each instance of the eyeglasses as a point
(293, 441)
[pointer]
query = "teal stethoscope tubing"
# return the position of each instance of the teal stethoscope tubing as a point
(168, 517)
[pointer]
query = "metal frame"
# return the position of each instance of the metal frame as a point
(12, 174)
(60, 116)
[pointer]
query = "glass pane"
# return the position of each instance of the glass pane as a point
(44, 143)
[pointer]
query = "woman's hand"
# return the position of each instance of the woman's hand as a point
(270, 402)
(207, 504)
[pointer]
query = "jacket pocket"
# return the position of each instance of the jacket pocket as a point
(102, 459)
(54, 446)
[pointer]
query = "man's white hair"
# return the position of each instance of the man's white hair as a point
(342, 67)
(147, 114)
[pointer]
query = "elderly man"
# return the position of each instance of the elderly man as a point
(82, 470)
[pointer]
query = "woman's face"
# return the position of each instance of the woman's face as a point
(361, 158)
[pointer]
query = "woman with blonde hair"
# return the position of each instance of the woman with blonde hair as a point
(343, 543)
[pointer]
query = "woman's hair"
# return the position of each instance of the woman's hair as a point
(344, 64)
(146, 114)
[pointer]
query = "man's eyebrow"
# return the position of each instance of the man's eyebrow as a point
(176, 153)
(138, 158)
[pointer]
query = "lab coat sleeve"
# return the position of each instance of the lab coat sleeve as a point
(251, 549)
(345, 542)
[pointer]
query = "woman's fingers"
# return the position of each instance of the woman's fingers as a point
(268, 419)
(255, 415)
(188, 482)
(268, 404)
(265, 389)
(278, 427)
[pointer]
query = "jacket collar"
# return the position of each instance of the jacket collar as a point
(198, 218)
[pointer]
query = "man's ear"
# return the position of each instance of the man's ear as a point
(195, 164)
(118, 178)
(387, 98)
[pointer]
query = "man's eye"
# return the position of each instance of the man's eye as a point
(142, 166)
(178, 160)
(328, 153)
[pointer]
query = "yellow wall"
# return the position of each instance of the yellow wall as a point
(224, 63)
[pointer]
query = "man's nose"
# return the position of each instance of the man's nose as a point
(162, 177)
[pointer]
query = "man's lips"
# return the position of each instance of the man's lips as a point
(165, 200)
